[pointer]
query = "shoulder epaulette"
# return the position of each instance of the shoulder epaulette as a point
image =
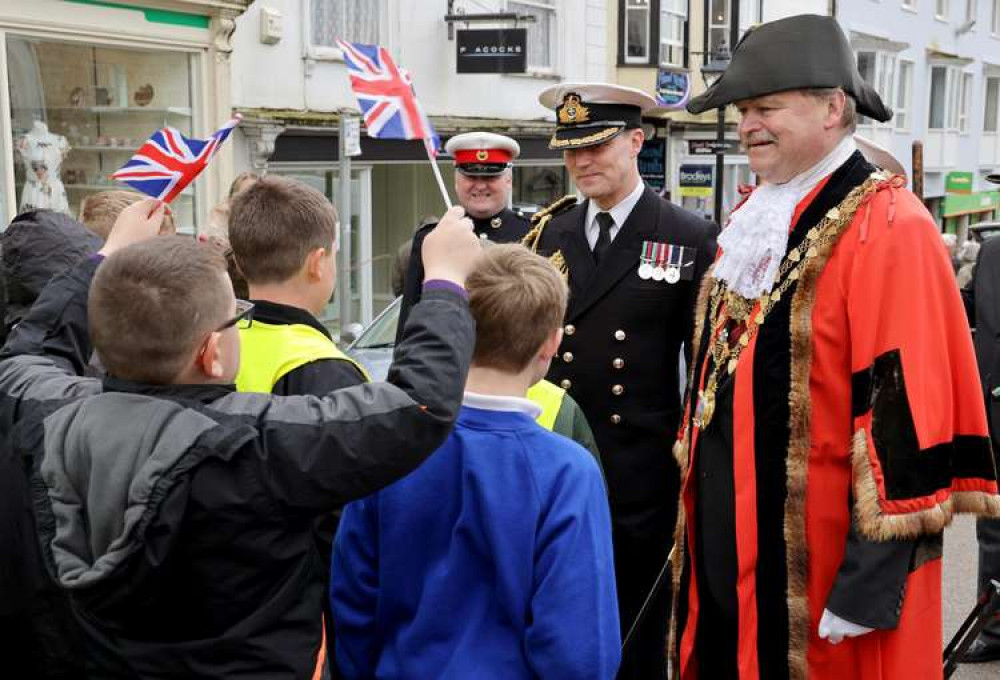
(559, 206)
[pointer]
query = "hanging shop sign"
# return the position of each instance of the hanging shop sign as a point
(708, 147)
(652, 163)
(495, 50)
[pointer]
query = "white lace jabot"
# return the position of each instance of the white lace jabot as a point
(755, 239)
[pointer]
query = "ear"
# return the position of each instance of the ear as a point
(835, 106)
(209, 361)
(314, 264)
(551, 344)
(637, 138)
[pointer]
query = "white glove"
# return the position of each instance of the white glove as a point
(835, 629)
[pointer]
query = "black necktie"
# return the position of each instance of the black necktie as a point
(604, 222)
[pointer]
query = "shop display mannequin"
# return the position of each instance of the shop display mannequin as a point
(42, 153)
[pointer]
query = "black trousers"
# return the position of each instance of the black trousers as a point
(988, 533)
(642, 536)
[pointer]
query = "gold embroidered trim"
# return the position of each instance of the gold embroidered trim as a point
(580, 141)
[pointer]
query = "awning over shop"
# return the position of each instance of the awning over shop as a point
(956, 205)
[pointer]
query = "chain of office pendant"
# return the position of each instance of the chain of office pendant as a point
(726, 306)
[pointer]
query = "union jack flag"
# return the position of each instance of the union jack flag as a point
(385, 95)
(169, 161)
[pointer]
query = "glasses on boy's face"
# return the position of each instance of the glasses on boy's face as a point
(243, 318)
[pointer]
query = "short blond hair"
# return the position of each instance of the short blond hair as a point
(517, 299)
(99, 211)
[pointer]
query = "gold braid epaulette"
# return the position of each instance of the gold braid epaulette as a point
(539, 221)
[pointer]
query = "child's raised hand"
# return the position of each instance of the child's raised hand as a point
(451, 250)
(138, 222)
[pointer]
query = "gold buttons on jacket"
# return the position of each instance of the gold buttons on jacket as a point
(570, 329)
(567, 357)
(566, 383)
(617, 390)
(620, 335)
(616, 419)
(618, 363)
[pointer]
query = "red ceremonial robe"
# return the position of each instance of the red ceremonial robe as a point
(859, 391)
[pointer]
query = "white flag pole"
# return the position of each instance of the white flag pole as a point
(437, 173)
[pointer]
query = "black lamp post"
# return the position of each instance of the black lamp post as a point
(711, 72)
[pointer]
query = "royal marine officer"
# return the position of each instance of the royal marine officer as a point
(484, 167)
(633, 262)
(483, 164)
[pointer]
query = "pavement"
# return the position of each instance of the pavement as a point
(959, 591)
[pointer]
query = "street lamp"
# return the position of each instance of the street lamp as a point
(711, 72)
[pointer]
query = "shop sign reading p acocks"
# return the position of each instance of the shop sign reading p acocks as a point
(497, 50)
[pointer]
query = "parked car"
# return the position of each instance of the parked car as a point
(373, 348)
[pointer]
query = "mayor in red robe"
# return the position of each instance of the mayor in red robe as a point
(834, 423)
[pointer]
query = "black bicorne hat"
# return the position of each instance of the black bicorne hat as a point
(796, 53)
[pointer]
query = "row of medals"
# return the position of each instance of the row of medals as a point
(670, 274)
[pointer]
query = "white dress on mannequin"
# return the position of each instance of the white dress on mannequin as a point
(42, 153)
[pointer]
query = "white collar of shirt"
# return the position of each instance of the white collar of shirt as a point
(489, 402)
(619, 213)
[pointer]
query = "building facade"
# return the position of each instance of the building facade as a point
(937, 64)
(87, 82)
(292, 87)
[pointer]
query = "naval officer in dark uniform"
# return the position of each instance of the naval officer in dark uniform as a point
(634, 262)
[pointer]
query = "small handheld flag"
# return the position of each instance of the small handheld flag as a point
(388, 103)
(168, 162)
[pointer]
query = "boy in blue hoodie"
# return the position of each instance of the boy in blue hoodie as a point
(494, 559)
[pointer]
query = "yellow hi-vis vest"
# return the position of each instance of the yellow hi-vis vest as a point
(270, 351)
(549, 397)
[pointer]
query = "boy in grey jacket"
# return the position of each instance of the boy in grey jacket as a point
(176, 512)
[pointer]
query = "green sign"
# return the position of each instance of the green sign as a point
(958, 183)
(969, 204)
(156, 16)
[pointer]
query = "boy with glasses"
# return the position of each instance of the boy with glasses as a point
(177, 513)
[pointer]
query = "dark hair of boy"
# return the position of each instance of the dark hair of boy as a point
(148, 311)
(517, 299)
(274, 224)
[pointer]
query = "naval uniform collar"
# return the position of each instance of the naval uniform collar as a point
(619, 212)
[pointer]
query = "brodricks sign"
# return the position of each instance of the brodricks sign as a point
(496, 50)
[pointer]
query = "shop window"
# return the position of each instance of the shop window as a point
(541, 34)
(351, 20)
(78, 112)
(534, 187)
(673, 23)
(719, 17)
(964, 101)
(904, 86)
(749, 14)
(991, 104)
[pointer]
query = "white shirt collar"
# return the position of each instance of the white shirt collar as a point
(489, 402)
(619, 213)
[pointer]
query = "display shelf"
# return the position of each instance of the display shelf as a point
(169, 110)
(102, 148)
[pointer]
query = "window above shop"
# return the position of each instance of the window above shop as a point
(542, 33)
(653, 33)
(351, 20)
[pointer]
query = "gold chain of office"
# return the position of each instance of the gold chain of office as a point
(726, 306)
